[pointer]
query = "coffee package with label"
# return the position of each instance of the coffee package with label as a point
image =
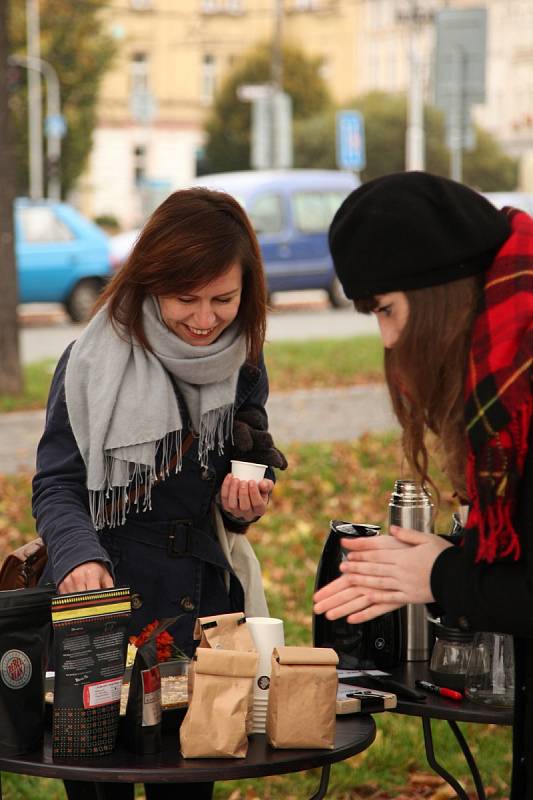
(90, 646)
(142, 725)
(223, 632)
(302, 700)
(25, 627)
(215, 722)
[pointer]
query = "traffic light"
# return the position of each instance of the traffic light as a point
(15, 78)
(52, 167)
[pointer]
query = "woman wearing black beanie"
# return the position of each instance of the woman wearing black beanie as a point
(450, 279)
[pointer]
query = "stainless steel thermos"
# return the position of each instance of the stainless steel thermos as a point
(411, 507)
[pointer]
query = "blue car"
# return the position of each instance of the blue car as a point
(291, 211)
(62, 257)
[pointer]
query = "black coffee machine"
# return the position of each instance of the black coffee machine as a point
(377, 644)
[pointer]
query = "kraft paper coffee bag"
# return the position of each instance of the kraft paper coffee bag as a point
(90, 658)
(302, 699)
(223, 632)
(25, 627)
(215, 723)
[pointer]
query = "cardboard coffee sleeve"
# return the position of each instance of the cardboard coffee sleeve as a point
(215, 723)
(302, 700)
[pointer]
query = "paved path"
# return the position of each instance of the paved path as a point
(46, 335)
(300, 416)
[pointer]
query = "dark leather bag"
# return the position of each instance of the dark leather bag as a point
(23, 568)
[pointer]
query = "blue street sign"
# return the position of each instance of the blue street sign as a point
(350, 140)
(55, 125)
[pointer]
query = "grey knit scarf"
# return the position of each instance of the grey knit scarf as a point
(124, 413)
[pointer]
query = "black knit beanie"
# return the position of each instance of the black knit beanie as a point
(411, 230)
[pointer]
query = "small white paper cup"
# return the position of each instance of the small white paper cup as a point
(247, 471)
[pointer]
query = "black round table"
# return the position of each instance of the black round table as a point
(353, 735)
(437, 707)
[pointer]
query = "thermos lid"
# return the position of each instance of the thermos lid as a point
(353, 528)
(410, 493)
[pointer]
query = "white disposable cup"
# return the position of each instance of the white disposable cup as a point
(267, 633)
(247, 471)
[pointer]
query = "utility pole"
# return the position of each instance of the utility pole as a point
(10, 370)
(35, 114)
(415, 158)
(277, 81)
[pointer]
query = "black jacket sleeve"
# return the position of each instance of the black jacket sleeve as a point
(490, 597)
(60, 500)
(252, 393)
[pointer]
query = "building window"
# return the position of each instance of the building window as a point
(139, 164)
(139, 73)
(305, 5)
(221, 6)
(208, 79)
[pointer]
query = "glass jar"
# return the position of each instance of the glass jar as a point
(490, 673)
(450, 656)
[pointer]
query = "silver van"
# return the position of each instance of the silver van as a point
(291, 211)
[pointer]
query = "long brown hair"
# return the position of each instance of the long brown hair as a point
(193, 237)
(425, 373)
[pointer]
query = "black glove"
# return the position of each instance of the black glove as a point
(252, 442)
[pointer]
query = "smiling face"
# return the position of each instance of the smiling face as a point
(199, 317)
(392, 312)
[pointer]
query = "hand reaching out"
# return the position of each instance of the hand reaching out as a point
(382, 573)
(86, 576)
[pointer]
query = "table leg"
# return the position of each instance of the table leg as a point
(439, 769)
(469, 758)
(99, 791)
(324, 782)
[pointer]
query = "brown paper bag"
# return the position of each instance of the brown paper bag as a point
(223, 632)
(302, 698)
(215, 722)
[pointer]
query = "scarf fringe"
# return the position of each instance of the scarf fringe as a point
(110, 505)
(493, 501)
(216, 425)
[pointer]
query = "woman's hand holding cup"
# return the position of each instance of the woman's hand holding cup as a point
(245, 499)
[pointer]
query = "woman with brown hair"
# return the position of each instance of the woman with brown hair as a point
(450, 279)
(140, 421)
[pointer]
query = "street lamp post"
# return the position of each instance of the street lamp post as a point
(54, 121)
(35, 121)
(415, 158)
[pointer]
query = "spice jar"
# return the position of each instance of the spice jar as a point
(450, 656)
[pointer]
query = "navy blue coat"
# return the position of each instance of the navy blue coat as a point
(169, 556)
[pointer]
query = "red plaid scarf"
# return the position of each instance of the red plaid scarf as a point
(498, 393)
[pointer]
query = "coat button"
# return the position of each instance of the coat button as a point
(207, 473)
(463, 623)
(136, 601)
(187, 604)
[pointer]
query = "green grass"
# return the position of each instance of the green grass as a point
(37, 378)
(291, 365)
(324, 362)
(347, 481)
